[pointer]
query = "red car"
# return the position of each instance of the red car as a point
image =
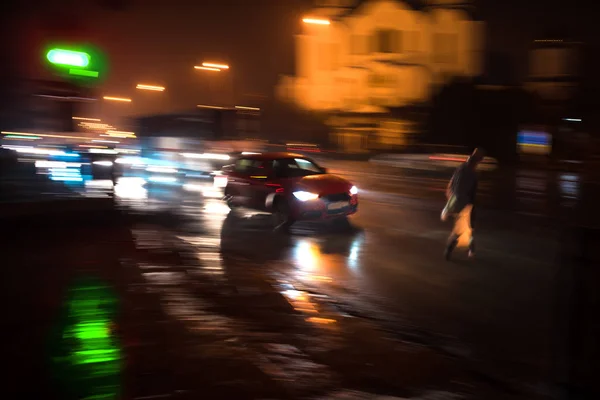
(290, 186)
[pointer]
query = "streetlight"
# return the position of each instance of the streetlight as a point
(316, 21)
(121, 99)
(153, 88)
(207, 68)
(215, 65)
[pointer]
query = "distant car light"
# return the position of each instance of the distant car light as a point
(220, 181)
(163, 170)
(353, 190)
(103, 163)
(162, 179)
(305, 196)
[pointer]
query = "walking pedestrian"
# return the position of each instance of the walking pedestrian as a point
(460, 195)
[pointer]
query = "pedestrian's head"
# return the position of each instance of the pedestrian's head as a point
(476, 157)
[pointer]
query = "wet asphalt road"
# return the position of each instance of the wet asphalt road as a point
(495, 312)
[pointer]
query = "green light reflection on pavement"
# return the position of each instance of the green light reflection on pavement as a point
(87, 358)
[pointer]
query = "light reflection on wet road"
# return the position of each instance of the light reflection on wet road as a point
(386, 268)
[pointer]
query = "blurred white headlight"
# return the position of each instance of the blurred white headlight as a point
(305, 196)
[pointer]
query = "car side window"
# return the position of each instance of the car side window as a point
(243, 165)
(251, 167)
(282, 167)
(307, 165)
(259, 168)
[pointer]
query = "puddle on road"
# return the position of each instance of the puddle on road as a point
(271, 352)
(306, 304)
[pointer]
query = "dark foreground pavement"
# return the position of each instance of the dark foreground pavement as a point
(94, 312)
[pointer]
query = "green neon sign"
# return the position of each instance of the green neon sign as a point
(68, 58)
(83, 72)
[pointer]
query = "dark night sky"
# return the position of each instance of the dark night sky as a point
(160, 42)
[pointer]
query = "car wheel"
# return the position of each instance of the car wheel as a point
(282, 216)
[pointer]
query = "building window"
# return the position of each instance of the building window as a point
(445, 48)
(387, 41)
(398, 42)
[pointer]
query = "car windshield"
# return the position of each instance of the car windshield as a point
(295, 167)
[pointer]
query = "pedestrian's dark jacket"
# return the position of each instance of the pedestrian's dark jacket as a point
(463, 184)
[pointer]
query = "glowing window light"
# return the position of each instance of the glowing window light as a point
(316, 21)
(68, 58)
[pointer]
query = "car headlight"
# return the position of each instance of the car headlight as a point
(305, 196)
(353, 190)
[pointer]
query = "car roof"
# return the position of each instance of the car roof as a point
(273, 156)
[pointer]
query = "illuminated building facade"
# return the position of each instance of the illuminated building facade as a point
(375, 55)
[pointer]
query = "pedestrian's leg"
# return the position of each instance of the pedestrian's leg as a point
(472, 239)
(452, 239)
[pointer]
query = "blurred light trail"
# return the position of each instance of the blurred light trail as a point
(316, 21)
(162, 179)
(207, 68)
(34, 150)
(103, 151)
(87, 119)
(212, 107)
(103, 163)
(163, 170)
(55, 164)
(209, 156)
(121, 99)
(43, 135)
(457, 159)
(105, 141)
(121, 134)
(214, 65)
(19, 137)
(247, 108)
(150, 87)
